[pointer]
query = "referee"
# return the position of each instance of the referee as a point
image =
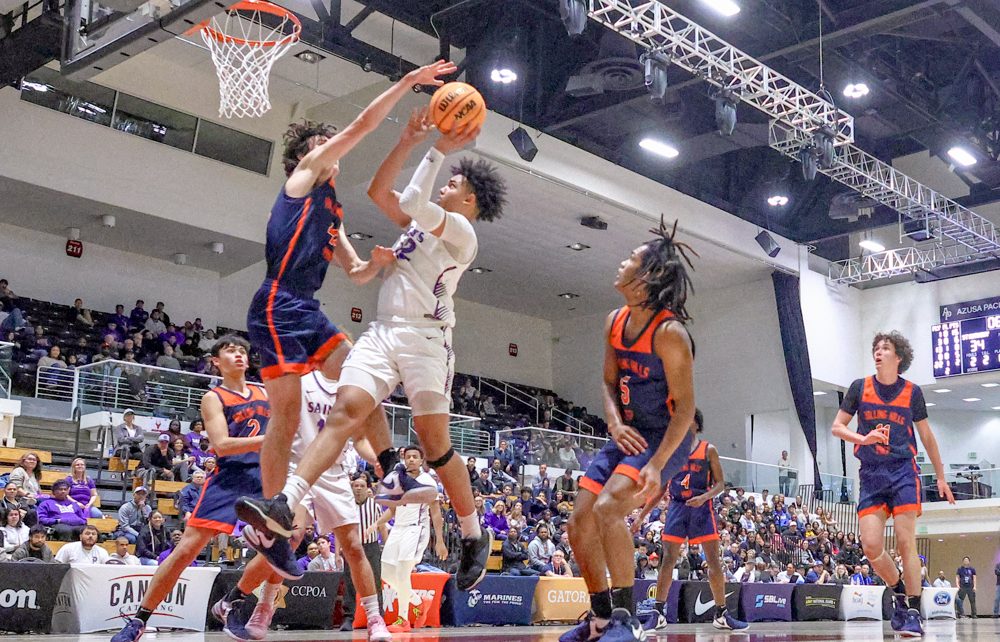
(369, 513)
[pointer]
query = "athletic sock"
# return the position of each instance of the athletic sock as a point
(235, 594)
(270, 593)
(470, 526)
(913, 602)
(143, 614)
(659, 605)
(388, 459)
(600, 604)
(900, 588)
(295, 489)
(370, 605)
(720, 611)
(621, 598)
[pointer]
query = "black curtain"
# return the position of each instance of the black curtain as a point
(793, 341)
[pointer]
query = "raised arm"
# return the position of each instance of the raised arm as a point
(357, 270)
(218, 430)
(380, 190)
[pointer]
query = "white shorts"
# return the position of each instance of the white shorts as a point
(406, 544)
(331, 501)
(387, 354)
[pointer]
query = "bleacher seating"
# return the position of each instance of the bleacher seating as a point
(13, 455)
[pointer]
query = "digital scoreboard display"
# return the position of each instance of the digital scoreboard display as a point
(966, 346)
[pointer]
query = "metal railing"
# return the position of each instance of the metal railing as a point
(550, 447)
(466, 436)
(757, 477)
(965, 484)
(531, 406)
(6, 365)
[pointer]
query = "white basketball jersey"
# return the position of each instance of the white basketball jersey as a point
(419, 287)
(318, 395)
(414, 514)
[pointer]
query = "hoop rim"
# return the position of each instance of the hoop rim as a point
(264, 7)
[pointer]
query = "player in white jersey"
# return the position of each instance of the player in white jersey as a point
(408, 538)
(410, 342)
(330, 501)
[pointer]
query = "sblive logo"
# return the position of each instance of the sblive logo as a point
(941, 598)
(18, 599)
(776, 600)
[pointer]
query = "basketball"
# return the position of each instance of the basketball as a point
(457, 103)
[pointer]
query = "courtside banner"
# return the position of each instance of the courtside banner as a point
(938, 603)
(560, 599)
(816, 602)
(698, 605)
(304, 604)
(646, 590)
(100, 598)
(767, 602)
(28, 594)
(498, 599)
(425, 586)
(859, 602)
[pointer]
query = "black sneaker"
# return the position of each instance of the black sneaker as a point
(472, 566)
(268, 516)
(276, 550)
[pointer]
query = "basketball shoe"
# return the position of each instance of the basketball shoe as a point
(399, 488)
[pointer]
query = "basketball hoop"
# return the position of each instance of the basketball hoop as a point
(244, 46)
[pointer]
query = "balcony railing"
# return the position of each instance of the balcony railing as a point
(6, 366)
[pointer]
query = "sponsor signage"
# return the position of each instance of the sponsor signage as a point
(498, 599)
(560, 599)
(767, 602)
(303, 604)
(28, 595)
(100, 598)
(697, 604)
(646, 590)
(426, 586)
(861, 602)
(816, 602)
(967, 340)
(938, 603)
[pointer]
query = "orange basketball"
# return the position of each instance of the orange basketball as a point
(455, 104)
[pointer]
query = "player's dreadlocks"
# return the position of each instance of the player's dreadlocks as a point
(297, 141)
(663, 271)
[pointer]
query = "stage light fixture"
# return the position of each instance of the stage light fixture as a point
(871, 245)
(725, 111)
(807, 156)
(727, 8)
(654, 65)
(856, 90)
(825, 151)
(574, 16)
(658, 147)
(777, 200)
(962, 156)
(504, 76)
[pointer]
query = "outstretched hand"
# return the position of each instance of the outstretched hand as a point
(382, 256)
(417, 127)
(457, 138)
(428, 74)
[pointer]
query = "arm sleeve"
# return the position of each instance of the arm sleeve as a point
(918, 406)
(852, 399)
(458, 235)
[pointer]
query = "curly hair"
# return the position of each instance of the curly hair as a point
(296, 141)
(663, 270)
(485, 182)
(900, 344)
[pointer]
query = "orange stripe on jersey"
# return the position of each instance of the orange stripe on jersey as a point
(230, 398)
(701, 452)
(902, 400)
(274, 286)
(644, 342)
(618, 328)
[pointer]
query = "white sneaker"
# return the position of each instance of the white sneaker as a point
(378, 631)
(260, 621)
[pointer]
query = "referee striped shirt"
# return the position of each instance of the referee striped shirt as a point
(369, 513)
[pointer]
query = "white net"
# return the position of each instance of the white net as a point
(245, 41)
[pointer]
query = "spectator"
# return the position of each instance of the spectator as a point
(207, 341)
(840, 576)
(996, 599)
(540, 549)
(312, 552)
(784, 477)
(747, 573)
(861, 575)
(61, 514)
(325, 560)
(128, 437)
(208, 465)
(119, 317)
(567, 455)
(175, 539)
(85, 551)
(499, 476)
(138, 317)
(11, 502)
(155, 324)
(35, 548)
(27, 477)
(196, 433)
(152, 540)
(515, 556)
(189, 495)
(496, 520)
(121, 554)
(489, 409)
(540, 478)
(966, 581)
(817, 574)
(567, 484)
(7, 296)
(157, 461)
(13, 534)
(53, 359)
(168, 360)
(181, 458)
(308, 537)
(470, 466)
(82, 488)
(133, 515)
(504, 453)
(79, 314)
(785, 576)
(559, 567)
(942, 581)
(163, 313)
(516, 519)
(486, 487)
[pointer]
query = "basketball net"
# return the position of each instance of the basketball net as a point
(244, 45)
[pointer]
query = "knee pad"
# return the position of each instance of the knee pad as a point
(443, 459)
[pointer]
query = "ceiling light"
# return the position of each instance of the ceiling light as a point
(940, 540)
(569, 295)
(359, 236)
(818, 393)
(856, 90)
(930, 404)
(480, 270)
(995, 408)
(218, 247)
(309, 56)
(579, 247)
(962, 156)
(871, 245)
(503, 76)
(971, 399)
(942, 390)
(658, 147)
(777, 200)
(727, 8)
(990, 385)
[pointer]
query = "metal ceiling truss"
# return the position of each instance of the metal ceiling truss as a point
(800, 119)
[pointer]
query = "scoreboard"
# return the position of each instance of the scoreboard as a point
(966, 346)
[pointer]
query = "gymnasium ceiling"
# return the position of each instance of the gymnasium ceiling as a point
(933, 67)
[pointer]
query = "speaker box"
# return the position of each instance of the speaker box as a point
(767, 244)
(522, 142)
